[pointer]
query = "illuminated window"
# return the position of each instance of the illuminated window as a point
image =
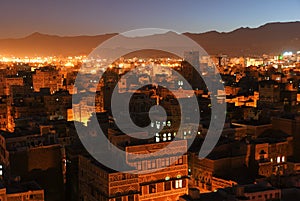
(278, 159)
(157, 139)
(283, 159)
(178, 183)
(158, 125)
(164, 137)
(169, 123)
(169, 136)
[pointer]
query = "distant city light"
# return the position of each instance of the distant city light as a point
(287, 54)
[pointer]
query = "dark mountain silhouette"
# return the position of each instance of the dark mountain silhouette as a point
(38, 44)
(272, 38)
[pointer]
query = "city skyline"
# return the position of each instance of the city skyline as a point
(150, 100)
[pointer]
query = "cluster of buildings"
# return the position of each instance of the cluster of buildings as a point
(256, 158)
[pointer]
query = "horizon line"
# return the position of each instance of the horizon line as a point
(111, 33)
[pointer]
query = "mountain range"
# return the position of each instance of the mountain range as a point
(271, 38)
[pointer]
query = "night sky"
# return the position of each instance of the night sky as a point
(90, 17)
